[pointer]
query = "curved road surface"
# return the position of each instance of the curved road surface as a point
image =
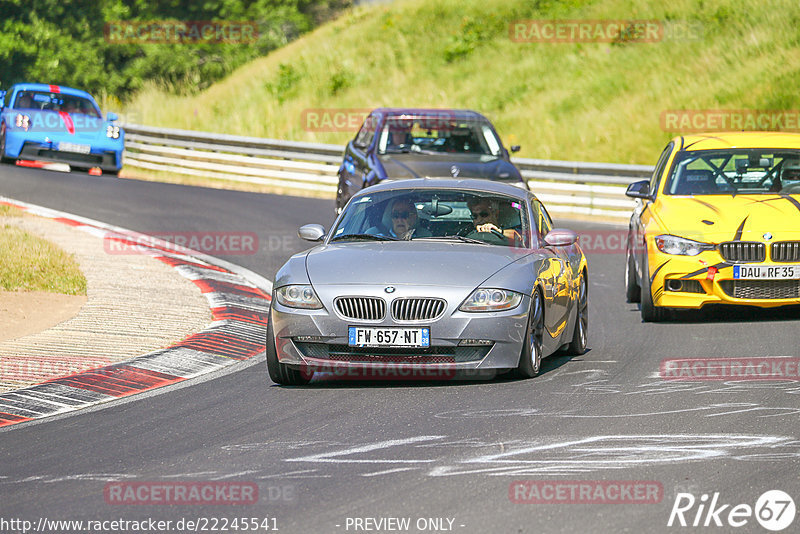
(329, 456)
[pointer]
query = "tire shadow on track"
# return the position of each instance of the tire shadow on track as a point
(332, 381)
(725, 313)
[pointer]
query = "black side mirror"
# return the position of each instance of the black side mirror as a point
(640, 189)
(515, 148)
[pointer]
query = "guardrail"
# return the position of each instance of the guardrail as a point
(566, 187)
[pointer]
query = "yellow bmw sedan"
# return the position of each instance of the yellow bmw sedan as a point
(718, 222)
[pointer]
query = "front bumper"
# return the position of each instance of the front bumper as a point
(26, 145)
(318, 339)
(697, 285)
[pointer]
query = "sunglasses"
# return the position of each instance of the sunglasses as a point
(401, 214)
(482, 215)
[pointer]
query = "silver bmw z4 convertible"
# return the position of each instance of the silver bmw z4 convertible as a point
(429, 278)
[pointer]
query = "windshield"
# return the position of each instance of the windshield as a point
(438, 135)
(436, 214)
(735, 172)
(41, 100)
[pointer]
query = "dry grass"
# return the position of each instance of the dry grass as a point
(30, 263)
(592, 102)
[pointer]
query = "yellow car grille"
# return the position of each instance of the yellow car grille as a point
(762, 289)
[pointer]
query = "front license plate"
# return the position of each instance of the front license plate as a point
(766, 272)
(360, 336)
(72, 147)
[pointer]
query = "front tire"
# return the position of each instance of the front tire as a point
(530, 360)
(3, 158)
(650, 312)
(280, 373)
(633, 292)
(577, 346)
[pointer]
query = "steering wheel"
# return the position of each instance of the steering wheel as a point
(493, 238)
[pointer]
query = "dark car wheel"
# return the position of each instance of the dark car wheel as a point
(278, 372)
(3, 158)
(577, 346)
(633, 292)
(530, 360)
(650, 312)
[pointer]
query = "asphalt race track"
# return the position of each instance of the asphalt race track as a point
(328, 454)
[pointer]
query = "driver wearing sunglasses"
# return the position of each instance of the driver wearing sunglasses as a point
(485, 216)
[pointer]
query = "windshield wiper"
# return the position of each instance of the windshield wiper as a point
(461, 238)
(371, 237)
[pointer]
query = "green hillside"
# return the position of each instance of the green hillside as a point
(582, 101)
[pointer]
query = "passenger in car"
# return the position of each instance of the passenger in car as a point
(403, 221)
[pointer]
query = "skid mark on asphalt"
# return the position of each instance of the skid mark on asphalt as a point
(553, 457)
(712, 410)
(444, 456)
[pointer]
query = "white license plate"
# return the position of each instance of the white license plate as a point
(360, 336)
(766, 272)
(72, 147)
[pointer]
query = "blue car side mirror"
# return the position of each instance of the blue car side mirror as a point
(111, 116)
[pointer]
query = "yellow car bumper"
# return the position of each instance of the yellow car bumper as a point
(694, 281)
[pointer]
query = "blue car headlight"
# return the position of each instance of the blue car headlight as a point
(22, 121)
(489, 300)
(298, 296)
(670, 244)
(112, 132)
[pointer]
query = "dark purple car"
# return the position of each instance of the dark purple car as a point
(402, 143)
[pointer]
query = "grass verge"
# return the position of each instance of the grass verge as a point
(600, 101)
(30, 263)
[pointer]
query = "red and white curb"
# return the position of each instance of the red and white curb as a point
(239, 300)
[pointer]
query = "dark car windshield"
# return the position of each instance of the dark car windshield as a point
(436, 214)
(438, 134)
(735, 172)
(55, 102)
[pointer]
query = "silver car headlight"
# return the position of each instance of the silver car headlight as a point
(489, 300)
(112, 132)
(670, 244)
(298, 296)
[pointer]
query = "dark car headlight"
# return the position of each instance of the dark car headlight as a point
(298, 296)
(22, 121)
(489, 300)
(670, 244)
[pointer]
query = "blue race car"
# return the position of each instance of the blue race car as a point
(43, 122)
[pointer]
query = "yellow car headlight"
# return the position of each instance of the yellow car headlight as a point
(670, 244)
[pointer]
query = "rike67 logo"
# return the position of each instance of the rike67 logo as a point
(774, 510)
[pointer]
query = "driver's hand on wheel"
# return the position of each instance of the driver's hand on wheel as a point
(488, 227)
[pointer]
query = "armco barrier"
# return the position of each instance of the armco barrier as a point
(566, 187)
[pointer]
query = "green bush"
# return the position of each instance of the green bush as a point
(63, 42)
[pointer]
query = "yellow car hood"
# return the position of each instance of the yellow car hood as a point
(717, 218)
